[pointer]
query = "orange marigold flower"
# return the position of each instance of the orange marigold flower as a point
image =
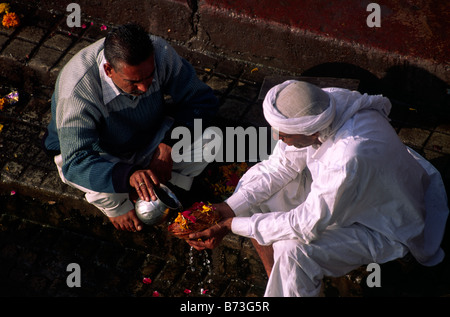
(10, 20)
(2, 103)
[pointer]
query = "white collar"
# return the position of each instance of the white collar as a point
(109, 89)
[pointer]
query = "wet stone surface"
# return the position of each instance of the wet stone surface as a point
(34, 257)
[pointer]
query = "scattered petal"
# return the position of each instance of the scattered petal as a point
(12, 97)
(146, 280)
(155, 294)
(437, 147)
(13, 192)
(4, 8)
(187, 291)
(83, 26)
(203, 291)
(103, 27)
(254, 70)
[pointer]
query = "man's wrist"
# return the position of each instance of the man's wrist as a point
(227, 223)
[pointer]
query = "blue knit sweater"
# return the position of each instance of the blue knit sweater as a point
(83, 125)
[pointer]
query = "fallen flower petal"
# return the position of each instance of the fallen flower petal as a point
(13, 192)
(155, 294)
(13, 97)
(4, 8)
(187, 291)
(437, 148)
(146, 280)
(103, 27)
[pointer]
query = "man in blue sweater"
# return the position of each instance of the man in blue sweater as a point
(110, 127)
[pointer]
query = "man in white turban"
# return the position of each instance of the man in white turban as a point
(339, 191)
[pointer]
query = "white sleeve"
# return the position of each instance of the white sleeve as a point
(326, 202)
(266, 178)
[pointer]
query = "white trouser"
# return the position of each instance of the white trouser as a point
(185, 168)
(299, 268)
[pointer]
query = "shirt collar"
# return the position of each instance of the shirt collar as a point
(109, 89)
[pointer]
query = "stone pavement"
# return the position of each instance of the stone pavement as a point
(45, 225)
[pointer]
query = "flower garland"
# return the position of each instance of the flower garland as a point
(186, 217)
(198, 217)
(10, 19)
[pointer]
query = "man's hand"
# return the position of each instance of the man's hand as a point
(162, 163)
(211, 237)
(128, 221)
(159, 171)
(143, 181)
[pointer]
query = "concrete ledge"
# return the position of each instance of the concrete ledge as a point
(407, 55)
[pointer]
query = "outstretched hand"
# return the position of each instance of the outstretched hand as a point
(211, 237)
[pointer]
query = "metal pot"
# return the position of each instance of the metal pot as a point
(154, 212)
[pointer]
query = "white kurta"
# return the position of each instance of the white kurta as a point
(363, 181)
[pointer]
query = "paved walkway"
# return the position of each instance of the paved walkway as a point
(45, 225)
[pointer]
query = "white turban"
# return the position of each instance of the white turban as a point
(343, 104)
(298, 124)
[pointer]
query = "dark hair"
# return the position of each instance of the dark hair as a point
(128, 43)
